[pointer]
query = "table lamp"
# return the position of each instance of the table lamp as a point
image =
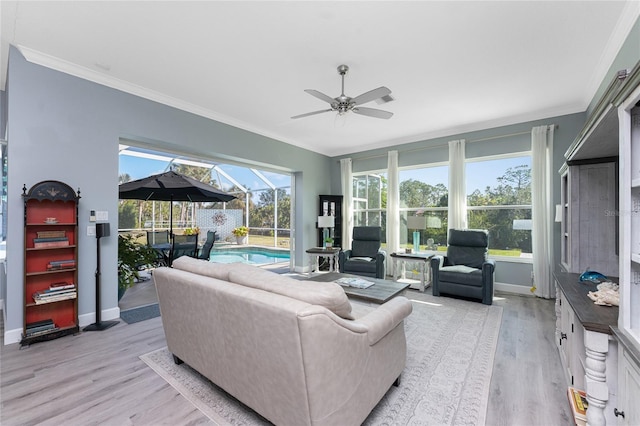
(416, 223)
(326, 222)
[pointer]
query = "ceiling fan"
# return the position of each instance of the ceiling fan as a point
(343, 104)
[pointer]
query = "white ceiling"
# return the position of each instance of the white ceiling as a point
(452, 66)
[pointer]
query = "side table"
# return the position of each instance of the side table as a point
(421, 258)
(315, 253)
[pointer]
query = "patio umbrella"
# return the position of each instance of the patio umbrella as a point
(171, 186)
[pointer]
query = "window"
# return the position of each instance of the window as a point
(499, 200)
(370, 200)
(424, 192)
(263, 198)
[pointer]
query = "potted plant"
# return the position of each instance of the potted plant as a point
(241, 233)
(131, 257)
(328, 242)
(192, 231)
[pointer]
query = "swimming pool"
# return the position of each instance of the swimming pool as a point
(250, 255)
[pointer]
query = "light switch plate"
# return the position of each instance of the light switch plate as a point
(91, 231)
(102, 216)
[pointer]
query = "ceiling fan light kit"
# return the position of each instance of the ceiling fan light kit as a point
(343, 103)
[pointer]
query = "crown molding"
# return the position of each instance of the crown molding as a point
(67, 67)
(628, 18)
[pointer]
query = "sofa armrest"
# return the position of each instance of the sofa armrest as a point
(377, 323)
(386, 317)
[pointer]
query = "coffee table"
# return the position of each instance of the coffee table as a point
(380, 292)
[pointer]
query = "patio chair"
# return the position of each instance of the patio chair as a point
(183, 245)
(205, 251)
(155, 238)
(160, 242)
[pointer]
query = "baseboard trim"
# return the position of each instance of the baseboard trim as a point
(12, 336)
(15, 336)
(513, 289)
(105, 315)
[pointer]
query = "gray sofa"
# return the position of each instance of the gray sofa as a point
(289, 349)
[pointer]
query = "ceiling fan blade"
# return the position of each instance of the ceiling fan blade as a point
(320, 96)
(311, 113)
(371, 95)
(371, 112)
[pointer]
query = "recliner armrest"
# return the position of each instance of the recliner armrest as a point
(489, 265)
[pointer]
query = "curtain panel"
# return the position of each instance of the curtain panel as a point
(457, 185)
(393, 207)
(541, 210)
(346, 175)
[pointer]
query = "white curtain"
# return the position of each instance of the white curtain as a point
(393, 207)
(457, 186)
(542, 205)
(347, 202)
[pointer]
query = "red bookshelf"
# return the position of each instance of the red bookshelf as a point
(50, 258)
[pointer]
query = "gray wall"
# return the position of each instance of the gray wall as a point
(65, 128)
(626, 58)
(436, 150)
(3, 113)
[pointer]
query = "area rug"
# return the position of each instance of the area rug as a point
(141, 313)
(451, 345)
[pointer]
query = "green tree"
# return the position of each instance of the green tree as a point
(514, 188)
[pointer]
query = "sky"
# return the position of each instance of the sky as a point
(480, 174)
(139, 168)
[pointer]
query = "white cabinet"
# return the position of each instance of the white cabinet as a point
(588, 350)
(628, 330)
(626, 410)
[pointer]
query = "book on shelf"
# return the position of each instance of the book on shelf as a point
(61, 264)
(579, 404)
(50, 239)
(51, 234)
(62, 285)
(56, 262)
(40, 332)
(56, 298)
(40, 323)
(48, 292)
(47, 327)
(51, 244)
(39, 327)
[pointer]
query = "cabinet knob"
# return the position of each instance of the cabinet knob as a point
(618, 413)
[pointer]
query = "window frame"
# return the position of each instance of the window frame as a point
(526, 153)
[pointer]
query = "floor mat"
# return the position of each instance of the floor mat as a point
(141, 313)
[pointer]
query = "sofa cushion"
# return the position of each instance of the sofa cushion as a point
(329, 295)
(461, 274)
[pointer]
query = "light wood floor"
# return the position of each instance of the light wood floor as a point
(96, 378)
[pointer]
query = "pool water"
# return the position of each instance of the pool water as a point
(250, 255)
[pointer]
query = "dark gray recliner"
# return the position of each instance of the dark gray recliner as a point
(465, 270)
(365, 257)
